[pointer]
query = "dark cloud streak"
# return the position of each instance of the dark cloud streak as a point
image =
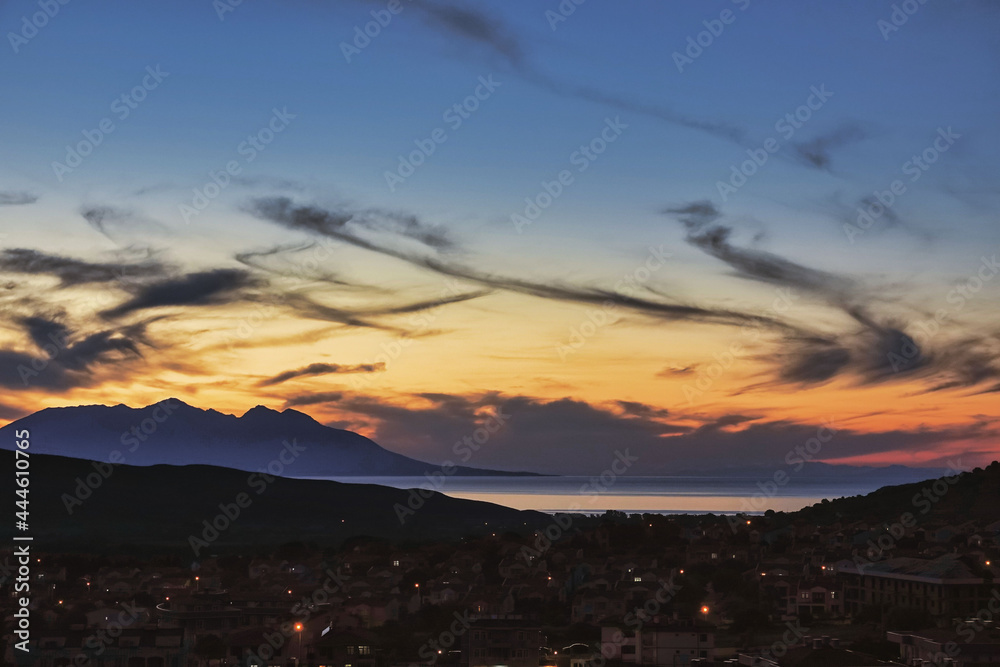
(817, 152)
(72, 272)
(17, 198)
(321, 369)
(205, 288)
(282, 211)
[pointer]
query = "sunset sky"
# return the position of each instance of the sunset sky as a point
(496, 206)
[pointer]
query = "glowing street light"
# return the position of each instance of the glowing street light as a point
(704, 610)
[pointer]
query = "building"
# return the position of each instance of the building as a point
(674, 643)
(133, 647)
(965, 646)
(819, 599)
(950, 585)
(502, 640)
(593, 607)
(350, 648)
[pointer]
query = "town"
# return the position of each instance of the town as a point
(612, 589)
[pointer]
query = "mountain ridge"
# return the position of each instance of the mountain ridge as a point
(176, 433)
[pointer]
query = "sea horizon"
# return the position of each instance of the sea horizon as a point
(655, 494)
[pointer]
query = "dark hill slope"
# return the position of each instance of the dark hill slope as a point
(162, 506)
(959, 498)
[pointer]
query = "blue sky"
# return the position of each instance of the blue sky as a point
(557, 85)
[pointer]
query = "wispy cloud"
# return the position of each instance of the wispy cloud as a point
(113, 221)
(817, 152)
(881, 350)
(321, 369)
(334, 224)
(313, 399)
(203, 288)
(71, 271)
(699, 219)
(497, 38)
(305, 306)
(17, 198)
(64, 357)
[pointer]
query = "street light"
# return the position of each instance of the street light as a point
(298, 653)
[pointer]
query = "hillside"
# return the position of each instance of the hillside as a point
(965, 496)
(162, 506)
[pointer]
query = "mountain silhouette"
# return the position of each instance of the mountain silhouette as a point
(175, 433)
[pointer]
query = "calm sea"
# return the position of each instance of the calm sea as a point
(634, 494)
